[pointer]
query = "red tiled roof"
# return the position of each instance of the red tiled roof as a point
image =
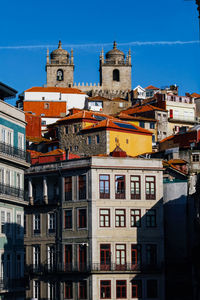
(167, 138)
(114, 124)
(124, 116)
(141, 108)
(84, 114)
(55, 90)
(96, 98)
(177, 161)
(151, 87)
(195, 95)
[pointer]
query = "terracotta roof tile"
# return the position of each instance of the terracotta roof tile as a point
(117, 124)
(124, 116)
(195, 95)
(84, 114)
(151, 87)
(141, 108)
(55, 90)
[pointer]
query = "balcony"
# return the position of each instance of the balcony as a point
(93, 268)
(11, 191)
(14, 284)
(14, 152)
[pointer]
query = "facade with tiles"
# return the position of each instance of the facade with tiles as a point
(94, 229)
(12, 165)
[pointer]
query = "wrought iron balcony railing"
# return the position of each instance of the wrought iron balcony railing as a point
(14, 151)
(11, 191)
(95, 267)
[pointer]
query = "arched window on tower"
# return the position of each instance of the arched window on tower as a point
(116, 76)
(60, 76)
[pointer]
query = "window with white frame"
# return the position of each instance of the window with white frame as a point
(19, 221)
(2, 175)
(6, 219)
(20, 141)
(36, 223)
(51, 222)
(36, 289)
(51, 255)
(52, 291)
(36, 256)
(7, 135)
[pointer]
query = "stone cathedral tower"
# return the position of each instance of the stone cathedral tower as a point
(115, 70)
(60, 68)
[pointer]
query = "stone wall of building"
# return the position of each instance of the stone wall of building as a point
(68, 75)
(77, 142)
(124, 82)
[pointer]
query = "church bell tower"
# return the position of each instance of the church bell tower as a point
(60, 68)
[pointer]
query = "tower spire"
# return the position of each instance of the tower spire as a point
(47, 56)
(59, 45)
(114, 45)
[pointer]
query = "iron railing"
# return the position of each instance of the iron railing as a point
(14, 151)
(11, 191)
(95, 267)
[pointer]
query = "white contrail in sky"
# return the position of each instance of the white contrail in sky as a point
(135, 43)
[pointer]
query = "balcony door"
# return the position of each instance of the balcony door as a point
(105, 257)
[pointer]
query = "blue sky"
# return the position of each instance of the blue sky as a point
(88, 25)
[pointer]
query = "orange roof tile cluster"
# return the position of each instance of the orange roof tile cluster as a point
(195, 95)
(141, 108)
(119, 125)
(167, 138)
(98, 98)
(151, 87)
(36, 154)
(124, 116)
(55, 89)
(171, 165)
(177, 161)
(34, 139)
(84, 114)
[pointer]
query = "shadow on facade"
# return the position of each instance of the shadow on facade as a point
(12, 281)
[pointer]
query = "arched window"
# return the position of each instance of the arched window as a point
(116, 76)
(60, 75)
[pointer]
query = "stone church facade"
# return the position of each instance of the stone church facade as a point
(114, 68)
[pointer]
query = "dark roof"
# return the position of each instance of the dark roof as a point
(6, 91)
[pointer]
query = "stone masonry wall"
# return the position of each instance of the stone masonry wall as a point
(68, 71)
(77, 142)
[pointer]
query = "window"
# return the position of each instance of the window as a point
(195, 157)
(75, 128)
(82, 257)
(46, 105)
(97, 139)
(52, 291)
(36, 223)
(89, 140)
(82, 186)
(20, 141)
(3, 221)
(105, 287)
(120, 256)
(119, 186)
(136, 254)
(60, 75)
(105, 256)
(135, 217)
(150, 218)
(136, 288)
(68, 188)
(68, 257)
(150, 188)
(142, 124)
(36, 256)
(51, 256)
(151, 254)
(68, 290)
(75, 148)
(116, 75)
(120, 218)
(104, 217)
(135, 187)
(19, 265)
(66, 129)
(104, 186)
(19, 223)
(153, 138)
(82, 218)
(51, 222)
(36, 289)
(152, 125)
(68, 219)
(121, 289)
(83, 289)
(152, 288)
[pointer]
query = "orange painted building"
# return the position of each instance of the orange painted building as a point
(33, 126)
